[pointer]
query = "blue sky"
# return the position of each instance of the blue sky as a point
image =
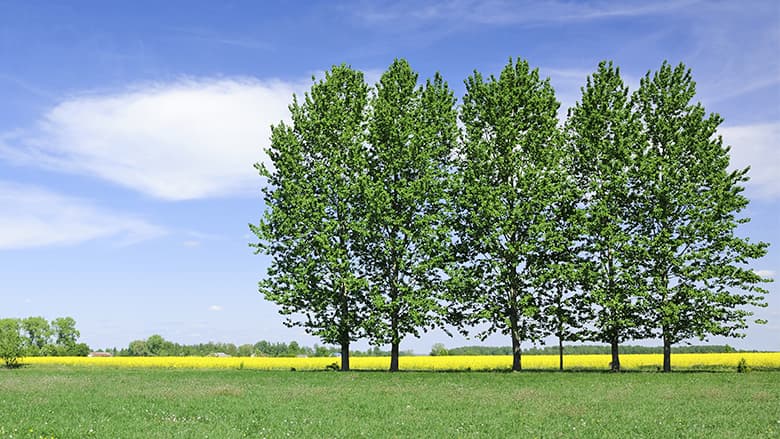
(128, 134)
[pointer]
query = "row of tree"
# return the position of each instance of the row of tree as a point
(36, 336)
(390, 210)
(156, 346)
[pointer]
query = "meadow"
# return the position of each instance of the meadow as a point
(56, 401)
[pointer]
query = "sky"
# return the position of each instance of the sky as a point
(129, 130)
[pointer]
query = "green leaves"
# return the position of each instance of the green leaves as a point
(510, 179)
(694, 264)
(314, 216)
(385, 219)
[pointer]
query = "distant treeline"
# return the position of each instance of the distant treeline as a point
(157, 346)
(581, 350)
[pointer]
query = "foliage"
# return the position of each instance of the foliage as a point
(603, 136)
(313, 217)
(695, 266)
(39, 333)
(41, 338)
(411, 134)
(508, 175)
(623, 226)
(438, 349)
(11, 342)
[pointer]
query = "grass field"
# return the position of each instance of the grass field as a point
(109, 402)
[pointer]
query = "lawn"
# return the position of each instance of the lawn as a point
(76, 402)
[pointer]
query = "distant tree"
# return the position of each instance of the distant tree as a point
(246, 350)
(138, 348)
(39, 334)
(696, 267)
(313, 215)
(438, 349)
(411, 134)
(603, 136)
(65, 333)
(156, 345)
(11, 342)
(79, 350)
(509, 177)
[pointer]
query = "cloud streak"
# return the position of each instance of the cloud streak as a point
(184, 140)
(502, 12)
(35, 217)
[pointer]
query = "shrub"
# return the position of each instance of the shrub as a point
(11, 342)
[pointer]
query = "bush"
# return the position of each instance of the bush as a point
(11, 342)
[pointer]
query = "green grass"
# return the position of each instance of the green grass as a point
(75, 402)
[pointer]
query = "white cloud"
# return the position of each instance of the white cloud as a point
(498, 12)
(768, 274)
(34, 217)
(183, 140)
(215, 308)
(756, 146)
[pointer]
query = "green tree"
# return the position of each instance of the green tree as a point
(603, 136)
(314, 215)
(138, 348)
(412, 132)
(65, 334)
(39, 334)
(158, 346)
(695, 265)
(438, 349)
(11, 342)
(509, 175)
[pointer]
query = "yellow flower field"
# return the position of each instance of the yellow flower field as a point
(628, 362)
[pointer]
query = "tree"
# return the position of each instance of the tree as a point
(603, 136)
(138, 348)
(313, 215)
(695, 265)
(158, 346)
(11, 342)
(509, 175)
(412, 133)
(438, 349)
(65, 334)
(39, 334)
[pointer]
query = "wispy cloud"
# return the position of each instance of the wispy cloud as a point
(498, 12)
(756, 146)
(767, 274)
(215, 308)
(183, 140)
(35, 217)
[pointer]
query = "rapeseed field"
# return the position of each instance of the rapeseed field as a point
(756, 360)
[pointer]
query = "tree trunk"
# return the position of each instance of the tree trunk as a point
(394, 342)
(394, 356)
(560, 353)
(345, 356)
(667, 355)
(614, 366)
(515, 333)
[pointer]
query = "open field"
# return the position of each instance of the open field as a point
(76, 402)
(762, 360)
